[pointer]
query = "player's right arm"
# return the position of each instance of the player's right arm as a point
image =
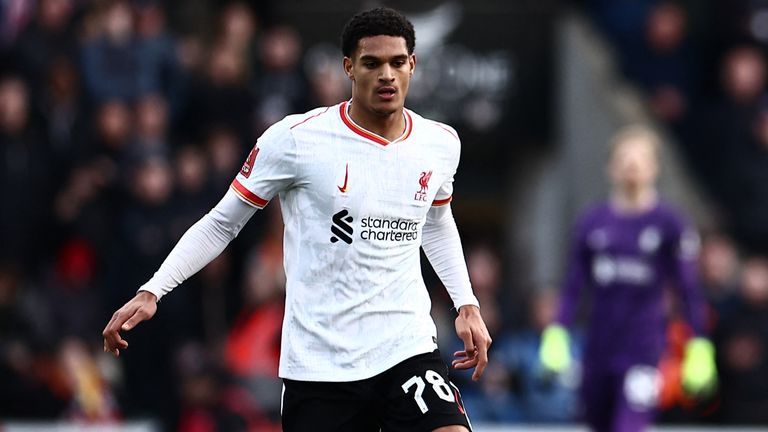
(554, 350)
(269, 169)
(200, 245)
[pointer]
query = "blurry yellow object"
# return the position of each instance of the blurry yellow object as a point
(554, 352)
(699, 373)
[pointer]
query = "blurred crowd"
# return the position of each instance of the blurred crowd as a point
(702, 67)
(116, 134)
(118, 131)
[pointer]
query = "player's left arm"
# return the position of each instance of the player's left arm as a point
(698, 372)
(442, 245)
(683, 255)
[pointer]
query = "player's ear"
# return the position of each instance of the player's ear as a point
(347, 63)
(412, 61)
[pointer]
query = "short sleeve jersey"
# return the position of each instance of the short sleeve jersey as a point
(353, 205)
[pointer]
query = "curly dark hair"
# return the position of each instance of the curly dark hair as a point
(376, 22)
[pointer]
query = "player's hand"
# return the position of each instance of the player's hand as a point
(555, 351)
(699, 373)
(140, 308)
(471, 329)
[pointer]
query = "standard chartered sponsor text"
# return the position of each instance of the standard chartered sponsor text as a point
(389, 229)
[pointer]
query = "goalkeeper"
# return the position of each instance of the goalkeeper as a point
(625, 252)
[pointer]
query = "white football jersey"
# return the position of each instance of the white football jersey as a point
(354, 205)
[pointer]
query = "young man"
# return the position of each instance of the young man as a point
(625, 251)
(362, 186)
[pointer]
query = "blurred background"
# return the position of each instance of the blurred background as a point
(123, 122)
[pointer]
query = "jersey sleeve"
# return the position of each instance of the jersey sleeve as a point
(683, 254)
(270, 167)
(442, 246)
(577, 274)
(445, 192)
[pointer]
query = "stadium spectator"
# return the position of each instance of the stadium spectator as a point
(238, 29)
(111, 59)
(158, 51)
(25, 176)
(721, 143)
(224, 151)
(150, 135)
(279, 82)
(72, 293)
(49, 36)
(718, 266)
(662, 63)
(25, 365)
(742, 341)
(60, 106)
(219, 97)
(111, 134)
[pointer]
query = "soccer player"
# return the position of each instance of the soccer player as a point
(362, 186)
(624, 253)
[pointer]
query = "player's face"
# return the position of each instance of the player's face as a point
(380, 70)
(634, 164)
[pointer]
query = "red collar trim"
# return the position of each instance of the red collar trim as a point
(378, 139)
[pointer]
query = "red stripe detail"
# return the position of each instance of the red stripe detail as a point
(443, 127)
(248, 195)
(458, 402)
(362, 132)
(409, 126)
(373, 137)
(442, 202)
(310, 118)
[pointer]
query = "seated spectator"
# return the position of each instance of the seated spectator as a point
(279, 82)
(158, 50)
(718, 266)
(220, 97)
(112, 66)
(742, 340)
(662, 64)
(720, 142)
(26, 391)
(150, 135)
(24, 176)
(60, 106)
(49, 36)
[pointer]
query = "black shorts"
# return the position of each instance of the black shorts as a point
(415, 395)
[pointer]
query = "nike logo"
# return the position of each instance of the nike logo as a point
(343, 189)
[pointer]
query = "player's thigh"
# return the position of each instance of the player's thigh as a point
(329, 407)
(600, 391)
(420, 397)
(637, 406)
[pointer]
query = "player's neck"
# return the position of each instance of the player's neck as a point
(631, 200)
(389, 126)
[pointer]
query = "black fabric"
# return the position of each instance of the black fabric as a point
(386, 402)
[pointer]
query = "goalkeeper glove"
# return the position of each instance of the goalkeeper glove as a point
(554, 351)
(699, 373)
